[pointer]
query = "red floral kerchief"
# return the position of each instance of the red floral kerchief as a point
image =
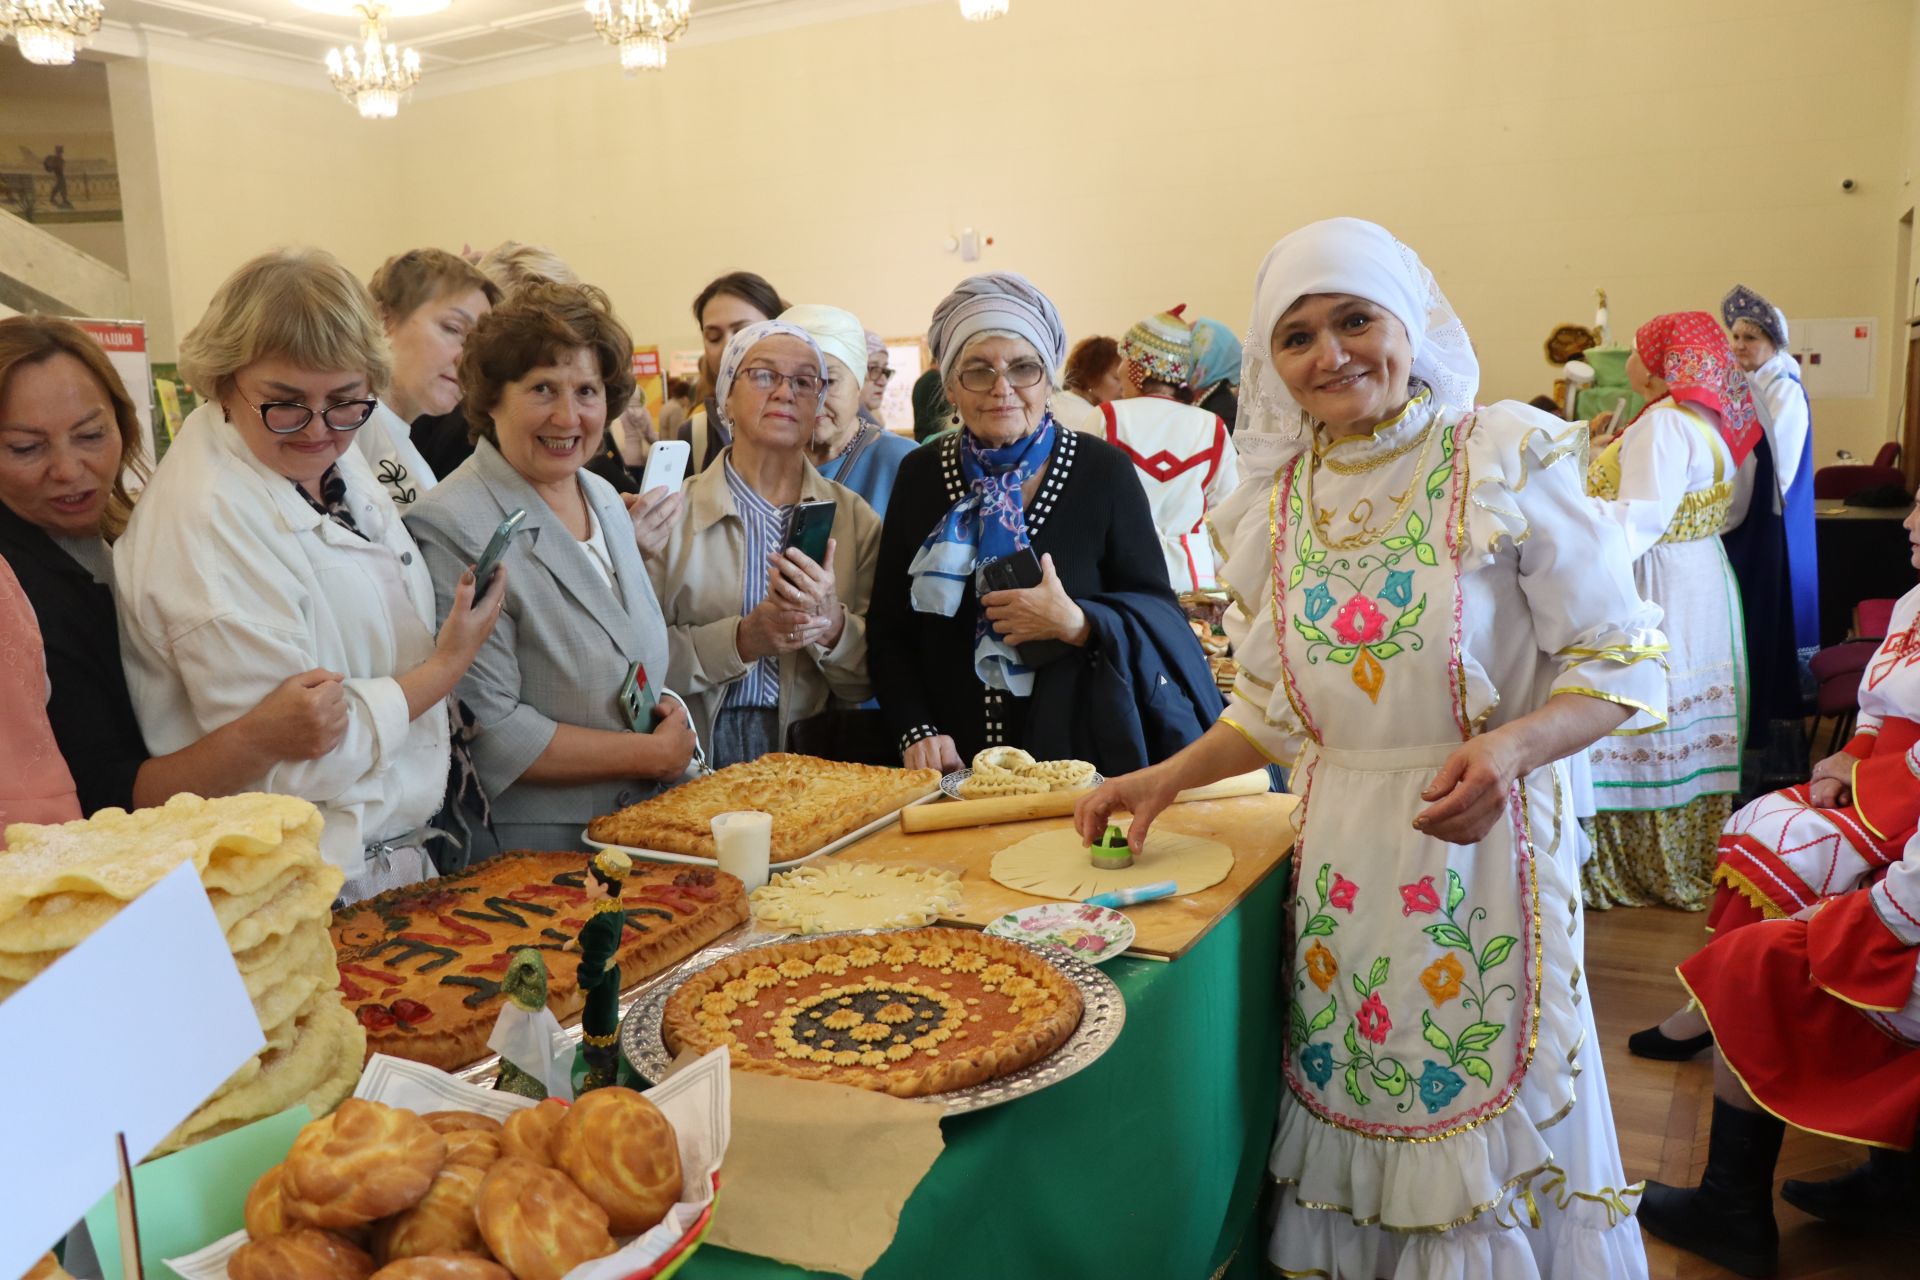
(1689, 350)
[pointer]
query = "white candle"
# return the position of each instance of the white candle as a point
(744, 839)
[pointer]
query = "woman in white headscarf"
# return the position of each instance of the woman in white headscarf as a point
(845, 447)
(1428, 620)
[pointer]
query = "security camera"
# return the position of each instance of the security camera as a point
(1846, 184)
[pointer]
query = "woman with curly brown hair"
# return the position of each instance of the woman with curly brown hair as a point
(543, 375)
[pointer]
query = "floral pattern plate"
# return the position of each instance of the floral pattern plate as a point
(950, 784)
(1092, 934)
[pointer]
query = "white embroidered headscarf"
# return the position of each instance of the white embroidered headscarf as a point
(1351, 256)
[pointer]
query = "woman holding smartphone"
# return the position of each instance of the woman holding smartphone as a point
(542, 376)
(762, 634)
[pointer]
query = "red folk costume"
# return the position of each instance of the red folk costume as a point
(1834, 1045)
(1183, 455)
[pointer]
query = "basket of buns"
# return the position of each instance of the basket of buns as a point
(474, 1184)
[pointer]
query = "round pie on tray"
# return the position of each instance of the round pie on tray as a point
(911, 1013)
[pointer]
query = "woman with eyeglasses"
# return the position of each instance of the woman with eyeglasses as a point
(848, 447)
(265, 547)
(1089, 656)
(759, 634)
(69, 444)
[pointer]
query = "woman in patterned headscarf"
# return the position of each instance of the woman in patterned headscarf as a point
(1428, 620)
(1667, 482)
(954, 669)
(1216, 370)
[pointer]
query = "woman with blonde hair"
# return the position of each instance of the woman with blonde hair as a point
(70, 451)
(429, 302)
(264, 546)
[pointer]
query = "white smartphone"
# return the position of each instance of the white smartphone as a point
(666, 466)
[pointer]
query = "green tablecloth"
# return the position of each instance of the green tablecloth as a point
(1149, 1163)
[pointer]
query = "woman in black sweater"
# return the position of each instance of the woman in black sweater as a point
(953, 670)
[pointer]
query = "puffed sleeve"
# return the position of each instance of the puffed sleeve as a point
(1656, 457)
(1259, 708)
(1526, 490)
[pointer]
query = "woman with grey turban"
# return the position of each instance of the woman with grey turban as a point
(1008, 545)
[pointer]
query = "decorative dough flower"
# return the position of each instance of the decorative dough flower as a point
(996, 973)
(1373, 1020)
(740, 989)
(1420, 897)
(1018, 986)
(868, 1032)
(1322, 968)
(895, 1013)
(969, 962)
(899, 953)
(1359, 621)
(1442, 978)
(831, 964)
(937, 956)
(863, 956)
(843, 1019)
(795, 968)
(763, 975)
(718, 1002)
(898, 1053)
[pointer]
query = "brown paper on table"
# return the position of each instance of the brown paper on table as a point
(816, 1174)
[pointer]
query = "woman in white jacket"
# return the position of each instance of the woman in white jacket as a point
(265, 546)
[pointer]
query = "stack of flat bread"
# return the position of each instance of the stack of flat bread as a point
(259, 858)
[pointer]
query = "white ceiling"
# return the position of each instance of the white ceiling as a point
(464, 33)
(487, 40)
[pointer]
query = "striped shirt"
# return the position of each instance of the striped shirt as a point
(766, 530)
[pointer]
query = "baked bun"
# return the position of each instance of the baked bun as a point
(365, 1161)
(529, 1134)
(442, 1222)
(266, 1212)
(538, 1224)
(455, 1121)
(986, 786)
(445, 1266)
(472, 1146)
(620, 1150)
(304, 1254)
(1062, 775)
(1001, 760)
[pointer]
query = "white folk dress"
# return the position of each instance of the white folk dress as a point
(1395, 594)
(1664, 796)
(1186, 463)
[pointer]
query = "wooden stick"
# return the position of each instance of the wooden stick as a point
(1054, 804)
(130, 1267)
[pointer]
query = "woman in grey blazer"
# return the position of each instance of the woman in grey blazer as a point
(542, 375)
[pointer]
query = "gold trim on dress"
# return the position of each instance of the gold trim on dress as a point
(1624, 654)
(1325, 451)
(1619, 701)
(1251, 740)
(1373, 1220)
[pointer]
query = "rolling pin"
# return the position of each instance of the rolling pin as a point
(949, 814)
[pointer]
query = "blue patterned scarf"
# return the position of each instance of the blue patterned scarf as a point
(988, 524)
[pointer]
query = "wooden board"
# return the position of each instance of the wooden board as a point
(1259, 830)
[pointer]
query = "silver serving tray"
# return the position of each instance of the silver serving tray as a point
(696, 860)
(950, 783)
(1103, 1014)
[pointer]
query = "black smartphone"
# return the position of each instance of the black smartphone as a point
(1014, 573)
(809, 528)
(637, 700)
(496, 547)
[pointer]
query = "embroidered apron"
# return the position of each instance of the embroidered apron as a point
(1416, 966)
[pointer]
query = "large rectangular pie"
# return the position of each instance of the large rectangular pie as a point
(421, 967)
(813, 802)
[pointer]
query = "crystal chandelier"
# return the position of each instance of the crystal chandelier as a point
(641, 28)
(983, 10)
(50, 32)
(377, 74)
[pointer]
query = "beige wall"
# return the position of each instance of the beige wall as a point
(1127, 162)
(242, 165)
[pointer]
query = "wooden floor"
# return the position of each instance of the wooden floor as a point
(1663, 1109)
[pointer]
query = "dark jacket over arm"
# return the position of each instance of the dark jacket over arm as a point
(1090, 515)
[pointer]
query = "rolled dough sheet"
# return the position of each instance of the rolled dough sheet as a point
(1054, 864)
